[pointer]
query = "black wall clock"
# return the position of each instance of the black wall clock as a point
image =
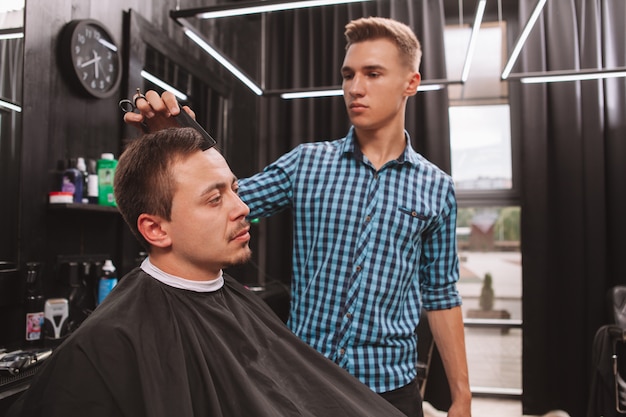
(90, 58)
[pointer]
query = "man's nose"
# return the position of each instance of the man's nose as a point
(356, 86)
(240, 209)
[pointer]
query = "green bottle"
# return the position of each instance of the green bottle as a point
(106, 171)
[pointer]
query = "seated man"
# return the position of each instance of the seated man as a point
(177, 337)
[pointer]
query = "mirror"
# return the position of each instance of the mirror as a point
(11, 65)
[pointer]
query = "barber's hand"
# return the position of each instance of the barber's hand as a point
(156, 112)
(460, 409)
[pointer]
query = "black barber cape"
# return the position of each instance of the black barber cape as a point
(153, 350)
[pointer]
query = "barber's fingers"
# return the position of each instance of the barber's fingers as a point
(190, 112)
(170, 102)
(133, 119)
(167, 101)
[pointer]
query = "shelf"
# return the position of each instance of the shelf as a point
(95, 208)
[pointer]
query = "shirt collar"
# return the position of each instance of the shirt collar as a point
(351, 147)
(178, 282)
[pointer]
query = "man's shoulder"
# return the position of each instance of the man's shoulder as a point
(323, 145)
(421, 163)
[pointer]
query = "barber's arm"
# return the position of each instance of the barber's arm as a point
(441, 298)
(156, 112)
(448, 333)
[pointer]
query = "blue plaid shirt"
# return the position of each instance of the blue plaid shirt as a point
(371, 248)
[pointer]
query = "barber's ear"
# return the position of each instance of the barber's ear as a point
(414, 82)
(154, 230)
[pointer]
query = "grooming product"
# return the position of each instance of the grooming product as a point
(56, 313)
(92, 182)
(81, 166)
(72, 181)
(106, 171)
(34, 305)
(108, 280)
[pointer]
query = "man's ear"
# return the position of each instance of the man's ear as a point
(414, 82)
(154, 230)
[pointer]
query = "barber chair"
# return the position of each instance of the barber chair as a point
(608, 386)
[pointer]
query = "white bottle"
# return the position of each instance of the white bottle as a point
(82, 167)
(92, 182)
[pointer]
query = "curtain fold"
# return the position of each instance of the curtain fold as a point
(572, 230)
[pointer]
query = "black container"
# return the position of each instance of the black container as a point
(34, 303)
(10, 285)
(11, 304)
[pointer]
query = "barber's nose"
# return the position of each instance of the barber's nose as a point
(356, 86)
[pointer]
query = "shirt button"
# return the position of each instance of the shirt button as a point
(358, 268)
(349, 315)
(414, 213)
(342, 351)
(368, 218)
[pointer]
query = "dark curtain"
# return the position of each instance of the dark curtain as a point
(573, 224)
(305, 49)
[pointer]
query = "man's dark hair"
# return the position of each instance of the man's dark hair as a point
(143, 178)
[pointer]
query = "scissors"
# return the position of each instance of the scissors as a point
(183, 119)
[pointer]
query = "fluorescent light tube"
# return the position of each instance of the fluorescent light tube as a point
(522, 39)
(572, 77)
(480, 11)
(430, 87)
(262, 8)
(226, 63)
(10, 106)
(16, 35)
(339, 92)
(312, 94)
(163, 85)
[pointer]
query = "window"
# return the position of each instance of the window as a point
(481, 147)
(488, 223)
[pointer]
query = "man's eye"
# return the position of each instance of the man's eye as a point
(347, 76)
(374, 74)
(216, 199)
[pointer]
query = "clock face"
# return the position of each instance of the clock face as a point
(94, 57)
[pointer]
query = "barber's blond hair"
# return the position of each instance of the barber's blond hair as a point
(372, 28)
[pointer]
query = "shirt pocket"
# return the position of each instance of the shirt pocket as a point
(414, 213)
(410, 225)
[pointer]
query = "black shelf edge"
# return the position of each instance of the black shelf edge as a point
(95, 208)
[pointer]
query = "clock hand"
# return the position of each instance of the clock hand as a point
(91, 61)
(96, 56)
(95, 60)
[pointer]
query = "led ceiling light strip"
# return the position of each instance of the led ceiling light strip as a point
(522, 39)
(213, 12)
(191, 34)
(339, 92)
(552, 76)
(574, 75)
(480, 11)
(268, 6)
(10, 106)
(14, 35)
(163, 85)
